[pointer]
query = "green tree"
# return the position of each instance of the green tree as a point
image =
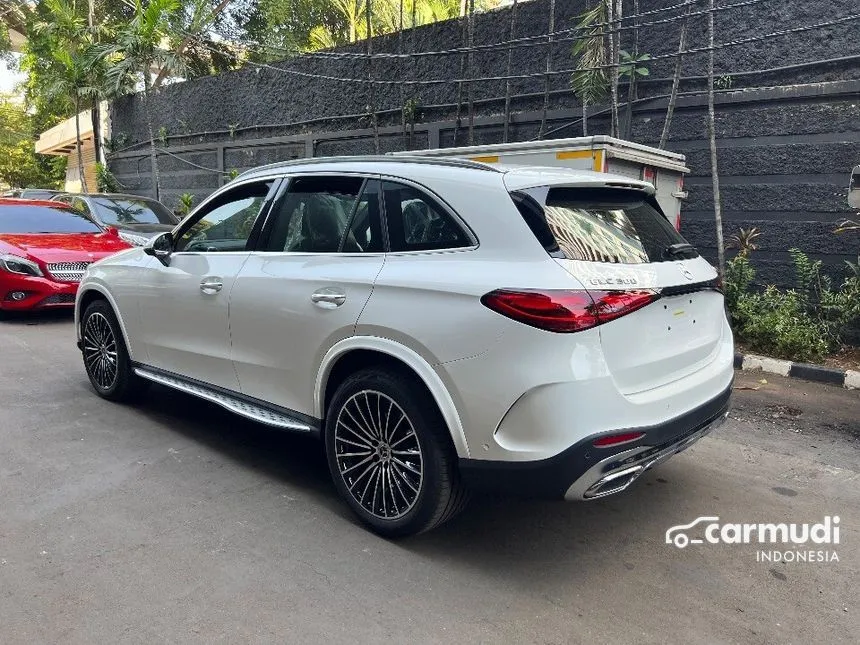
(20, 166)
(591, 51)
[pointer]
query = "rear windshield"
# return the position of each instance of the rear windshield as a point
(44, 219)
(116, 212)
(613, 225)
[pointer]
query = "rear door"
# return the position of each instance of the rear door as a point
(304, 287)
(616, 239)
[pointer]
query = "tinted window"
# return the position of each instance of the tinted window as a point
(314, 214)
(119, 212)
(43, 219)
(225, 223)
(417, 223)
(600, 224)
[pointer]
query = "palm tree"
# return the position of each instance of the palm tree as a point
(590, 82)
(136, 51)
(73, 76)
(676, 77)
(615, 38)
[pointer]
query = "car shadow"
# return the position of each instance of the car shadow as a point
(527, 541)
(41, 317)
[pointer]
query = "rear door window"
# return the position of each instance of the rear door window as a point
(416, 222)
(611, 225)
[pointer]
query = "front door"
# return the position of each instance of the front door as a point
(184, 306)
(305, 287)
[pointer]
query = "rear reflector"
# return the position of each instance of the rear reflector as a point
(615, 439)
(566, 310)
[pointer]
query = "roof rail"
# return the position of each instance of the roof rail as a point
(425, 161)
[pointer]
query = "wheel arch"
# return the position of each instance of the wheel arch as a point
(90, 293)
(363, 349)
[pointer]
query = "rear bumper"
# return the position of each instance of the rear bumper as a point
(585, 472)
(39, 293)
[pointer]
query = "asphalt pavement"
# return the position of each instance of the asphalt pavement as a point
(173, 521)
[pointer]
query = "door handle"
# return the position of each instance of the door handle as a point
(328, 298)
(210, 286)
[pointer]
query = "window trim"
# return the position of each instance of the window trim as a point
(445, 206)
(203, 209)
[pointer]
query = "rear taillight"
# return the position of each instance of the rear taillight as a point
(566, 310)
(617, 439)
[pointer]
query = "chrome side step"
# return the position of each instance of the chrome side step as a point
(239, 406)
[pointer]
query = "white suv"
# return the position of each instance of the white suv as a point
(443, 325)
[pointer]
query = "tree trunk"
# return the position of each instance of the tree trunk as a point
(631, 87)
(402, 67)
(584, 119)
(153, 153)
(372, 85)
(676, 77)
(615, 39)
(507, 126)
(81, 174)
(471, 27)
(548, 69)
(457, 119)
(412, 48)
(96, 117)
(715, 177)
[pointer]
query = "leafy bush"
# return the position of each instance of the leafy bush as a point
(105, 180)
(805, 323)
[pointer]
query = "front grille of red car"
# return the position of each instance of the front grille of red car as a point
(68, 271)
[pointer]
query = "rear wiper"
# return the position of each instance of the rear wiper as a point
(676, 250)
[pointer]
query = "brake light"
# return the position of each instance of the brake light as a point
(616, 439)
(566, 311)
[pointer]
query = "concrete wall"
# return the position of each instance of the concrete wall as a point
(787, 138)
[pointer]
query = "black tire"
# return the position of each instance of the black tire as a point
(105, 355)
(440, 493)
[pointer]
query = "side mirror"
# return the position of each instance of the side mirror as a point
(160, 247)
(112, 231)
(854, 188)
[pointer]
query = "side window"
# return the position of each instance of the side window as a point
(226, 223)
(314, 214)
(81, 206)
(364, 234)
(417, 223)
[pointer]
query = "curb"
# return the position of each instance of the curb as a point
(849, 379)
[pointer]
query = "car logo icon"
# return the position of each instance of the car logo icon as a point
(677, 534)
(686, 273)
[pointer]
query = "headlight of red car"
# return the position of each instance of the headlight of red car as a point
(15, 264)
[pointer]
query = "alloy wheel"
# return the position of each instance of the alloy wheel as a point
(100, 350)
(378, 454)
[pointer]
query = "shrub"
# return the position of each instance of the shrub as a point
(106, 182)
(804, 323)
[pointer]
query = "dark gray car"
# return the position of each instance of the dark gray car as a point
(137, 218)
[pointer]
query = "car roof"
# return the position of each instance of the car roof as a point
(23, 201)
(515, 177)
(110, 196)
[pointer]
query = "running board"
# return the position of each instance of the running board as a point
(230, 402)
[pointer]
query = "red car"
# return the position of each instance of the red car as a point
(45, 247)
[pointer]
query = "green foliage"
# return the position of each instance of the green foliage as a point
(162, 135)
(105, 180)
(590, 83)
(232, 174)
(723, 82)
(20, 166)
(745, 240)
(804, 323)
(184, 204)
(631, 65)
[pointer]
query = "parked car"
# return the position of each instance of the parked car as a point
(441, 324)
(136, 218)
(44, 249)
(31, 193)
